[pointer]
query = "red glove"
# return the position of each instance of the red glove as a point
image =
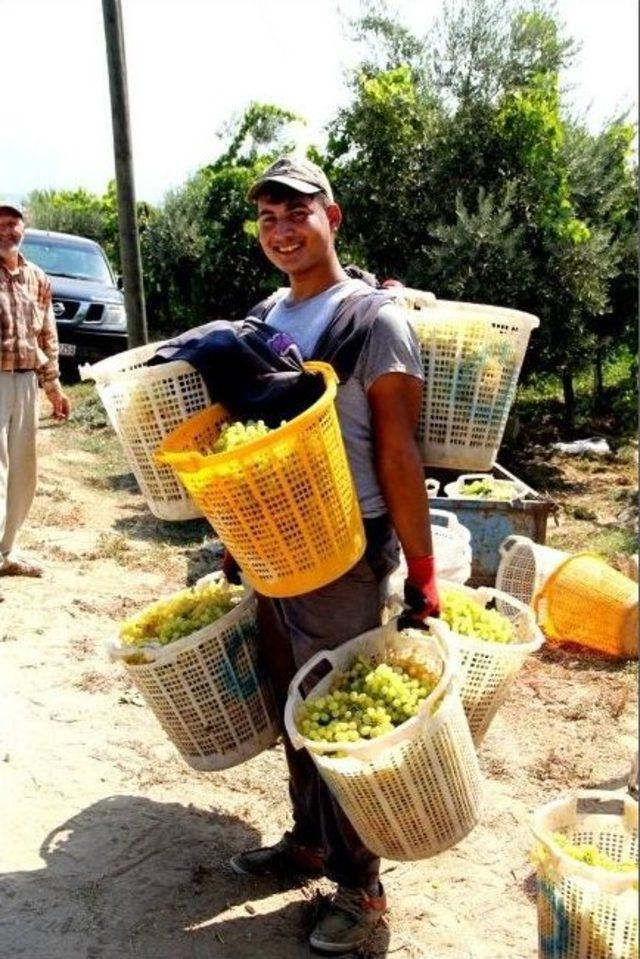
(230, 569)
(420, 588)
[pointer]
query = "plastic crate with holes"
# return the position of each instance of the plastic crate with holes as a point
(472, 354)
(488, 667)
(284, 505)
(207, 689)
(144, 404)
(586, 857)
(412, 792)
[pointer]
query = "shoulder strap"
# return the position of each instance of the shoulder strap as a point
(261, 310)
(347, 333)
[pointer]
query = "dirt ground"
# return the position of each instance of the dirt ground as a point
(112, 846)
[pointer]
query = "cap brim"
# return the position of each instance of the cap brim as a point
(298, 185)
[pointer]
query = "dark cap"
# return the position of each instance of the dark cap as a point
(14, 207)
(298, 173)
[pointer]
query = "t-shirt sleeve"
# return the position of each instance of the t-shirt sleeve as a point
(392, 347)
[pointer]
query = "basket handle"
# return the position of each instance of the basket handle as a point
(323, 656)
(450, 519)
(509, 542)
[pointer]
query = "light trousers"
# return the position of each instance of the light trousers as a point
(18, 466)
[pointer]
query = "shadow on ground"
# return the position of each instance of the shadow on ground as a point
(130, 876)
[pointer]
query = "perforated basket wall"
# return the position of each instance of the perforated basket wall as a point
(472, 355)
(586, 601)
(416, 791)
(209, 694)
(524, 567)
(285, 505)
(487, 669)
(145, 404)
(586, 912)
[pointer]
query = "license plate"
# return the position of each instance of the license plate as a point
(67, 349)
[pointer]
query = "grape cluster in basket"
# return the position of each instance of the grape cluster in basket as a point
(233, 435)
(181, 614)
(590, 855)
(468, 618)
(366, 702)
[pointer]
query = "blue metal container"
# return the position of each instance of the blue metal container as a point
(491, 521)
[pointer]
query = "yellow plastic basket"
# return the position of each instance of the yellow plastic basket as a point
(413, 792)
(586, 912)
(284, 505)
(586, 601)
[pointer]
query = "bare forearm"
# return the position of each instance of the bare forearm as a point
(402, 482)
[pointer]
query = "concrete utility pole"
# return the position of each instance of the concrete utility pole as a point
(127, 216)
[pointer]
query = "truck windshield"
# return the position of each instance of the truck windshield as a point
(60, 258)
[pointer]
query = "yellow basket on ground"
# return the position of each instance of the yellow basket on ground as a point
(524, 568)
(586, 601)
(472, 354)
(586, 911)
(144, 404)
(415, 791)
(488, 669)
(208, 690)
(284, 505)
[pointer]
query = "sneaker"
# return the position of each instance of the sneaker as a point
(348, 920)
(19, 567)
(286, 859)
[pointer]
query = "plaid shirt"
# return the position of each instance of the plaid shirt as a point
(28, 333)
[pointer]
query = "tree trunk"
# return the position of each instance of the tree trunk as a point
(569, 402)
(598, 384)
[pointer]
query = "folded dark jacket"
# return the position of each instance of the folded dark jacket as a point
(255, 372)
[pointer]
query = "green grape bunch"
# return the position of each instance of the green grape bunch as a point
(488, 488)
(589, 854)
(233, 435)
(468, 618)
(181, 614)
(366, 702)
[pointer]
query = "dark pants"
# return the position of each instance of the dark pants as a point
(292, 631)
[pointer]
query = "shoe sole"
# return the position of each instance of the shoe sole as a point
(337, 948)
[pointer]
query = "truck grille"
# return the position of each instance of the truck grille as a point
(70, 308)
(94, 313)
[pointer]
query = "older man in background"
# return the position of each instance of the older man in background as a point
(28, 359)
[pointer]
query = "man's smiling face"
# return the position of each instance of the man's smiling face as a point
(296, 234)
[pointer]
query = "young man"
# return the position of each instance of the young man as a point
(378, 405)
(28, 358)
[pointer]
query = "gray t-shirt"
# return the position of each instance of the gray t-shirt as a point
(392, 347)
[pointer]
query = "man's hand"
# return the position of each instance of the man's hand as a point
(420, 588)
(59, 404)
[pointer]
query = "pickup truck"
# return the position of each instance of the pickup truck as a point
(87, 302)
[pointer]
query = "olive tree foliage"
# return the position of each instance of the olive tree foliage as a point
(200, 255)
(460, 172)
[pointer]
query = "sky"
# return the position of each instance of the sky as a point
(194, 65)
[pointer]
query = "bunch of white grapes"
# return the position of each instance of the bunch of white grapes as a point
(592, 856)
(366, 702)
(488, 487)
(468, 618)
(233, 435)
(181, 614)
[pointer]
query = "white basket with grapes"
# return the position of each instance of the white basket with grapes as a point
(586, 858)
(388, 734)
(485, 486)
(194, 658)
(472, 354)
(492, 645)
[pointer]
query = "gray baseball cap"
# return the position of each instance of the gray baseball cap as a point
(14, 207)
(296, 172)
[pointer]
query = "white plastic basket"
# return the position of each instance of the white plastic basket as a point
(524, 567)
(208, 691)
(144, 404)
(472, 355)
(415, 791)
(487, 670)
(452, 551)
(455, 490)
(586, 912)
